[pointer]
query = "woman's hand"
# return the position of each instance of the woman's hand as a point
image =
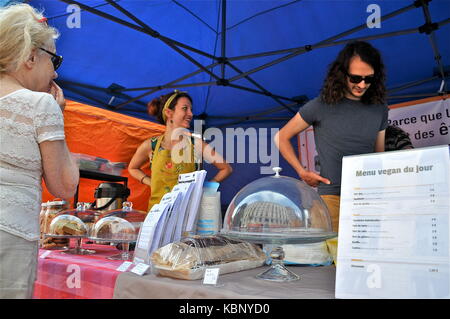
(58, 94)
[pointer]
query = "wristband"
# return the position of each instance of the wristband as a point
(143, 178)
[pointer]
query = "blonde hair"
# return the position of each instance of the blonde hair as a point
(21, 32)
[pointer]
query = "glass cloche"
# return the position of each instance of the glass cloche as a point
(68, 225)
(119, 226)
(114, 229)
(278, 210)
(127, 212)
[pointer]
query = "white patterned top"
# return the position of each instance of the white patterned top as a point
(27, 118)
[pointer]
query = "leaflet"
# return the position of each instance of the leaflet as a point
(198, 178)
(147, 233)
(394, 225)
(185, 189)
(174, 199)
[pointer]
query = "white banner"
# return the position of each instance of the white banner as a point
(428, 124)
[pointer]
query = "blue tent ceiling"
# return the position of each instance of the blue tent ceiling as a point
(239, 59)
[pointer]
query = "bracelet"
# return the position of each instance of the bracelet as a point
(143, 178)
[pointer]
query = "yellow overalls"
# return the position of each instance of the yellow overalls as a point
(165, 171)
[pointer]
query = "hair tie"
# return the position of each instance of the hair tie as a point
(169, 100)
(42, 20)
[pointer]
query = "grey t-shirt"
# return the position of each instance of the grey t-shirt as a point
(346, 128)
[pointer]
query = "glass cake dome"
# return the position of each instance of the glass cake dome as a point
(114, 229)
(278, 209)
(67, 225)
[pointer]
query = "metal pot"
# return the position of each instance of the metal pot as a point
(109, 196)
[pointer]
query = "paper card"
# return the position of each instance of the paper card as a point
(211, 276)
(194, 203)
(124, 266)
(140, 269)
(186, 190)
(394, 225)
(147, 233)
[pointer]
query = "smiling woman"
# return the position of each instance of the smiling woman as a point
(32, 142)
(176, 151)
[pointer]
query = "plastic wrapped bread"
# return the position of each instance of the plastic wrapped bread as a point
(189, 258)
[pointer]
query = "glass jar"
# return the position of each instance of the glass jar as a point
(53, 208)
(42, 222)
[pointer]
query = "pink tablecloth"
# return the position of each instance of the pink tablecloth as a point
(66, 276)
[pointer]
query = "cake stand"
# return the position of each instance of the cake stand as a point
(125, 254)
(77, 250)
(274, 241)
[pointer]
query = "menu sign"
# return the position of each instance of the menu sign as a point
(394, 225)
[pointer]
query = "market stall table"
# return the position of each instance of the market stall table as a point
(315, 282)
(66, 276)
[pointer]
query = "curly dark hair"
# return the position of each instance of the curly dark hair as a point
(396, 139)
(155, 106)
(335, 84)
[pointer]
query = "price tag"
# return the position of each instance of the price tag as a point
(211, 276)
(45, 254)
(124, 266)
(140, 269)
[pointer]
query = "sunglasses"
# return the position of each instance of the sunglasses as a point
(358, 78)
(56, 59)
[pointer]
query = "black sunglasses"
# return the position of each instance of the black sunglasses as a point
(358, 78)
(56, 59)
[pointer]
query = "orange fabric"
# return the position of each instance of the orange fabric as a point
(113, 136)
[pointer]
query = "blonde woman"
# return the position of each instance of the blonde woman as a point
(32, 142)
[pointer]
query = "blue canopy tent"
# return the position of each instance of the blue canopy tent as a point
(244, 62)
(241, 60)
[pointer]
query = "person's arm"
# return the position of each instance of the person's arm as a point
(140, 157)
(60, 171)
(224, 169)
(380, 141)
(283, 141)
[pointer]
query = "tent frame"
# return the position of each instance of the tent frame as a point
(428, 28)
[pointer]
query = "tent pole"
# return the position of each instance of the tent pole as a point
(429, 30)
(322, 44)
(223, 37)
(187, 76)
(263, 89)
(156, 34)
(411, 84)
(259, 92)
(331, 39)
(421, 95)
(150, 32)
(100, 103)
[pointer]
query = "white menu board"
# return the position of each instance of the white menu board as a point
(394, 225)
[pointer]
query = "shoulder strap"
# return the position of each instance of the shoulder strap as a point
(153, 142)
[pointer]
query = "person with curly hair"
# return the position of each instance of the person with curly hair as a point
(397, 139)
(349, 117)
